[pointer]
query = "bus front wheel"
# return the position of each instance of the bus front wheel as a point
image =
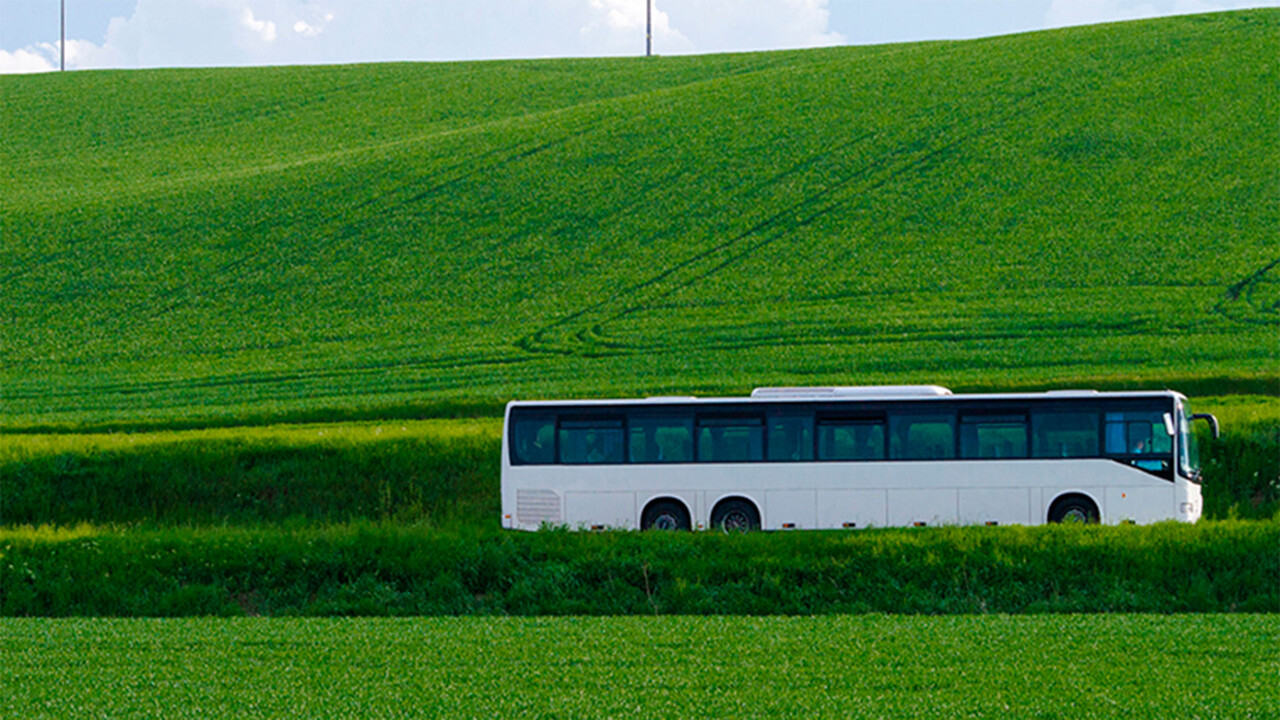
(665, 515)
(1073, 509)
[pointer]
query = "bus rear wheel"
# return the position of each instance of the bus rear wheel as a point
(1074, 509)
(665, 515)
(735, 516)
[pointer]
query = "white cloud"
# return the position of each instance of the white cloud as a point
(306, 29)
(742, 25)
(686, 26)
(24, 61)
(44, 57)
(84, 54)
(264, 29)
(617, 27)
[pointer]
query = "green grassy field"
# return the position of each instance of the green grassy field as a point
(1126, 666)
(1089, 206)
(230, 297)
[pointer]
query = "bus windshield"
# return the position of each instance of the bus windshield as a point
(1189, 453)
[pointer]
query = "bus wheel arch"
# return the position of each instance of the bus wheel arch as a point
(735, 514)
(666, 513)
(1074, 507)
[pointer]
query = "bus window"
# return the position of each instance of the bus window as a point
(1141, 436)
(591, 441)
(1064, 434)
(993, 436)
(922, 437)
(850, 440)
(661, 439)
(739, 439)
(790, 438)
(534, 441)
(1137, 433)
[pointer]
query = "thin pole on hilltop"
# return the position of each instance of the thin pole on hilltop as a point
(62, 43)
(648, 28)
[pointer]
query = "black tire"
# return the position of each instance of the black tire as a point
(665, 515)
(735, 516)
(1074, 509)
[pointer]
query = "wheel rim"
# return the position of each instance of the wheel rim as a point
(1075, 515)
(666, 521)
(736, 521)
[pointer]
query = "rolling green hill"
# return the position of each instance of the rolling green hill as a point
(1089, 206)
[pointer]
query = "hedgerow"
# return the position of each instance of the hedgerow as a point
(380, 569)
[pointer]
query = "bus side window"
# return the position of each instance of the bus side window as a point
(1137, 433)
(1141, 437)
(1064, 434)
(1161, 440)
(534, 441)
(661, 439)
(730, 439)
(993, 436)
(850, 440)
(922, 437)
(591, 441)
(790, 438)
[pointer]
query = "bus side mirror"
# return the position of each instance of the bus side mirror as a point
(1213, 422)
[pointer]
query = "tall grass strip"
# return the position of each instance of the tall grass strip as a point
(364, 569)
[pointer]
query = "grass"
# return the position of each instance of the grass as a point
(1125, 666)
(196, 257)
(1087, 206)
(391, 569)
(424, 471)
(1242, 469)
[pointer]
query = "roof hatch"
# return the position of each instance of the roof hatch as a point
(852, 391)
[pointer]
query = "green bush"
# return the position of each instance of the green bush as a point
(1242, 474)
(438, 471)
(367, 569)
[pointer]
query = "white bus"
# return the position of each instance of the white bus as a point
(850, 457)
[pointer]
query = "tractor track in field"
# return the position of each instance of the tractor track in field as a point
(575, 333)
(346, 233)
(1255, 300)
(582, 332)
(274, 379)
(267, 257)
(270, 257)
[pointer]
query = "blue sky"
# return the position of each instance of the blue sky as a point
(184, 33)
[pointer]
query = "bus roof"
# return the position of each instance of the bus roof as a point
(869, 393)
